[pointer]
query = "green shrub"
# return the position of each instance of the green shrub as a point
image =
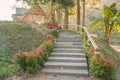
(29, 61)
(21, 60)
(100, 66)
(54, 32)
(47, 46)
(32, 64)
(85, 44)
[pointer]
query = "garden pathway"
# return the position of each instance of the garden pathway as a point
(68, 56)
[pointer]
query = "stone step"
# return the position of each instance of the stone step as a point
(68, 43)
(68, 72)
(65, 65)
(72, 37)
(68, 40)
(82, 55)
(68, 46)
(68, 56)
(68, 50)
(67, 59)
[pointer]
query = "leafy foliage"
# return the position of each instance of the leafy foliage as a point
(47, 46)
(29, 61)
(100, 66)
(66, 3)
(110, 20)
(7, 68)
(54, 32)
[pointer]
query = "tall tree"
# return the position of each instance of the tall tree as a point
(66, 4)
(78, 13)
(83, 19)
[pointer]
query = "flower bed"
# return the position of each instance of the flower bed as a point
(31, 61)
(102, 65)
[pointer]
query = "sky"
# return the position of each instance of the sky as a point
(6, 9)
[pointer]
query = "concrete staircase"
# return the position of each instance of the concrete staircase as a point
(68, 56)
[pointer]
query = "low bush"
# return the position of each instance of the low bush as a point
(100, 66)
(47, 46)
(29, 61)
(54, 32)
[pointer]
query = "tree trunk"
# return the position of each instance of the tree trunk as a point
(107, 34)
(58, 15)
(66, 18)
(78, 13)
(83, 21)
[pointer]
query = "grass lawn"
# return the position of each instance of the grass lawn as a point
(15, 36)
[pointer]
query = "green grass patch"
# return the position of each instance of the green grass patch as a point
(15, 36)
(18, 36)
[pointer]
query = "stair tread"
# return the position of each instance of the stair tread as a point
(68, 58)
(61, 70)
(67, 54)
(67, 49)
(66, 64)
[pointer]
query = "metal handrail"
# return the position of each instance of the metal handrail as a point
(86, 32)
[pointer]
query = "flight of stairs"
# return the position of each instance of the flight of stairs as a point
(68, 57)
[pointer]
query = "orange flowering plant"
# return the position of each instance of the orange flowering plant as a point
(101, 66)
(47, 46)
(29, 61)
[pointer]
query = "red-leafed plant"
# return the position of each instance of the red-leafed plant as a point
(100, 66)
(29, 61)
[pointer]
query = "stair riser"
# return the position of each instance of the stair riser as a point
(68, 43)
(69, 38)
(62, 46)
(67, 61)
(67, 74)
(65, 67)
